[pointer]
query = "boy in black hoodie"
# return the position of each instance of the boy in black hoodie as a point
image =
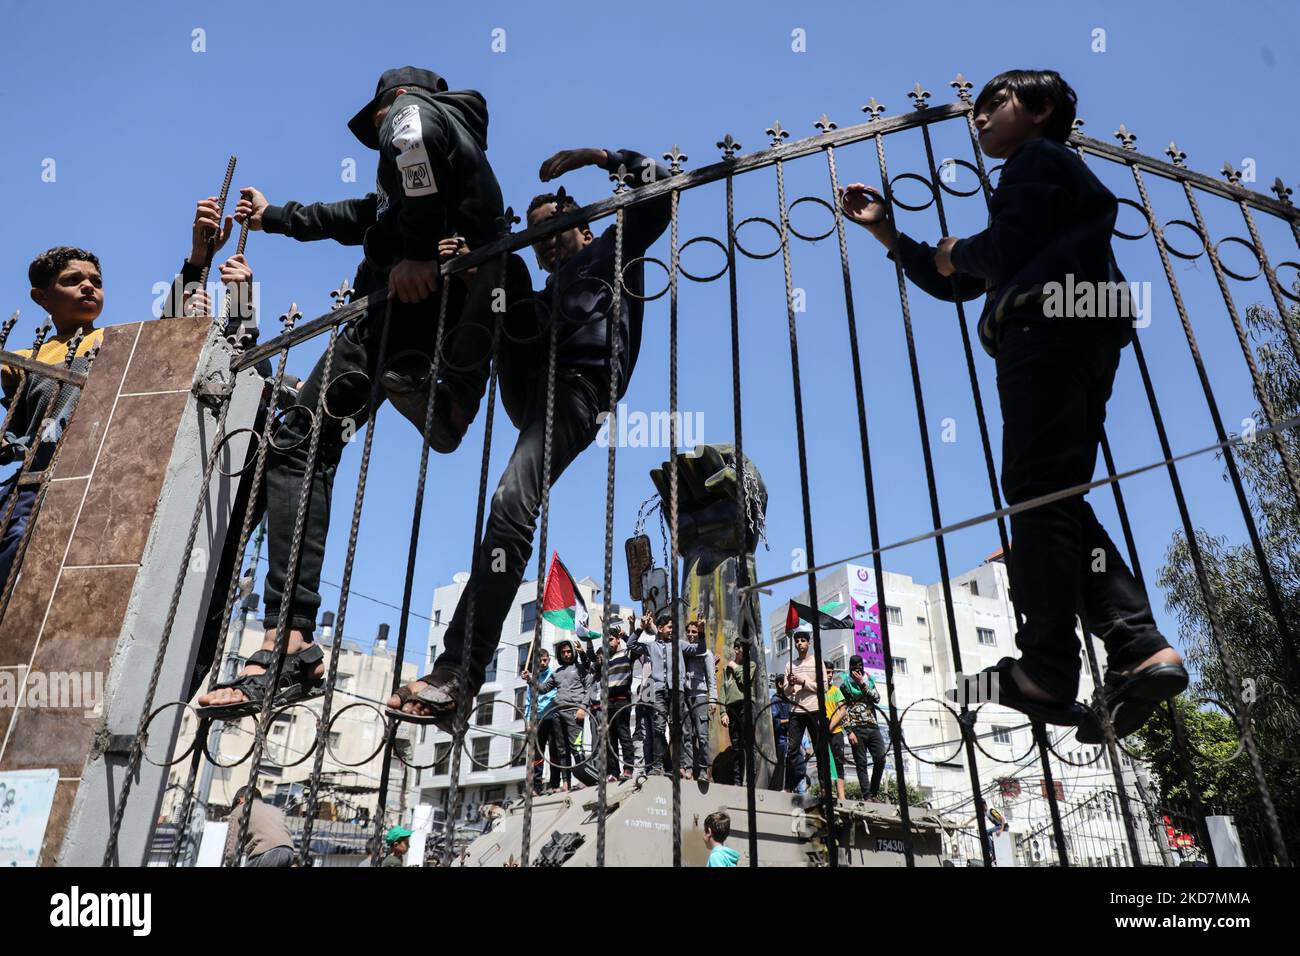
(1050, 222)
(433, 182)
(581, 276)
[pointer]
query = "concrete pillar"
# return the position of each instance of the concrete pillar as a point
(101, 567)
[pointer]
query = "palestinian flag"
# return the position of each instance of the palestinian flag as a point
(799, 613)
(562, 604)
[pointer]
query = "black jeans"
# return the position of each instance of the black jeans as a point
(870, 743)
(620, 736)
(508, 540)
(1054, 379)
(795, 763)
(546, 740)
(356, 363)
(740, 735)
(571, 731)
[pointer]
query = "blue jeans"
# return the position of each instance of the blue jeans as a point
(13, 535)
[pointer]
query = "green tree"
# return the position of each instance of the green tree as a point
(1266, 670)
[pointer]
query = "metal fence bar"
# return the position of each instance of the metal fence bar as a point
(729, 147)
(895, 727)
(823, 741)
(340, 622)
(544, 522)
(232, 587)
(283, 632)
(966, 717)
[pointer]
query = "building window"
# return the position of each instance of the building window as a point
(482, 747)
(782, 645)
(483, 710)
(926, 668)
(441, 761)
(522, 660)
(920, 622)
(528, 617)
(491, 673)
(900, 665)
(521, 698)
(335, 738)
(975, 589)
(519, 756)
(1001, 735)
(986, 636)
(895, 615)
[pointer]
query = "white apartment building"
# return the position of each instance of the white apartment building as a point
(1008, 761)
(492, 764)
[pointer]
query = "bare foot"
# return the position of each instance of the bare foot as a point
(414, 707)
(231, 695)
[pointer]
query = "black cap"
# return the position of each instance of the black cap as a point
(363, 124)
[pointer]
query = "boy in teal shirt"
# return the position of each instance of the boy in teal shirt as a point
(717, 827)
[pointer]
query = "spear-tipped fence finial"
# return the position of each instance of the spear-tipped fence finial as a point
(291, 316)
(777, 133)
(675, 159)
(873, 109)
(621, 178)
(507, 221)
(13, 320)
(341, 296)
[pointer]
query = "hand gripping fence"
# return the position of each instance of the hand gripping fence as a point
(1058, 836)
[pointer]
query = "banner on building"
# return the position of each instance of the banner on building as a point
(864, 601)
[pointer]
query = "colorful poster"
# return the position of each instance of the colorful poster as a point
(26, 797)
(865, 605)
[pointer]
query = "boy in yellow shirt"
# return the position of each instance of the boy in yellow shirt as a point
(67, 283)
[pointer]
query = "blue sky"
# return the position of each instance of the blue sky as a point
(140, 125)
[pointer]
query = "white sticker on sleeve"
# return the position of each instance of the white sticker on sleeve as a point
(412, 158)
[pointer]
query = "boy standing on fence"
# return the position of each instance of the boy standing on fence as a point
(1050, 222)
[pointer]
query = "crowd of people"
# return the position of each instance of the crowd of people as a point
(646, 696)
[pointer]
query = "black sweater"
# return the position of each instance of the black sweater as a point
(433, 181)
(1048, 218)
(585, 304)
